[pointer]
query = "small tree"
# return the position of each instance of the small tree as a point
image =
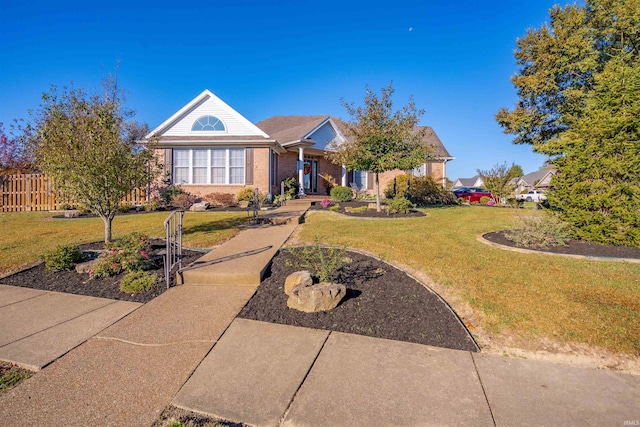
(89, 146)
(380, 139)
(498, 179)
(14, 156)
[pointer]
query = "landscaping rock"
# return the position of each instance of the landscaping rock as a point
(199, 207)
(299, 278)
(86, 267)
(321, 297)
(71, 214)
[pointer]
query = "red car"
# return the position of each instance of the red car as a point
(472, 194)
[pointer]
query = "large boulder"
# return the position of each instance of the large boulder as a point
(321, 297)
(299, 278)
(199, 207)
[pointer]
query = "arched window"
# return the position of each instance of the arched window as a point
(208, 123)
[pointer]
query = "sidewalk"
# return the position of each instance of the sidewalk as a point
(186, 347)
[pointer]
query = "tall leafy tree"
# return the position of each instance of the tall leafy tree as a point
(89, 146)
(381, 139)
(578, 88)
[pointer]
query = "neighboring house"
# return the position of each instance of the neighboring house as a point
(540, 179)
(208, 147)
(475, 181)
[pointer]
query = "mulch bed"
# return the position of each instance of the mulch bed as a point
(74, 283)
(573, 247)
(370, 213)
(381, 301)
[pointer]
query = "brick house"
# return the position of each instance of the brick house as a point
(207, 147)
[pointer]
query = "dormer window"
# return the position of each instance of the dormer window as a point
(207, 124)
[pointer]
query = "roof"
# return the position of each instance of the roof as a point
(431, 138)
(470, 182)
(287, 129)
(533, 177)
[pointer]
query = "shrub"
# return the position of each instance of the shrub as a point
(245, 195)
(359, 209)
(341, 194)
(334, 208)
(167, 194)
(515, 203)
(138, 281)
(325, 203)
(424, 191)
(290, 187)
(323, 262)
(124, 207)
(131, 253)
(62, 258)
(183, 201)
(399, 205)
(152, 205)
(402, 184)
(539, 231)
(221, 200)
(484, 200)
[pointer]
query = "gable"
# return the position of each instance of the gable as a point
(323, 135)
(207, 105)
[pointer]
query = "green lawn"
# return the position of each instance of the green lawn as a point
(25, 236)
(528, 296)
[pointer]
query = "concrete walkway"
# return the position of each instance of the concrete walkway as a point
(187, 347)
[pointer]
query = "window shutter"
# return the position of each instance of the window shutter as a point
(248, 167)
(369, 180)
(168, 164)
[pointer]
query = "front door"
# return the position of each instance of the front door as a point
(311, 178)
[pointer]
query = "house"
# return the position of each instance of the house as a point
(475, 181)
(540, 179)
(208, 147)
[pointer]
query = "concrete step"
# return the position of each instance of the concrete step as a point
(243, 260)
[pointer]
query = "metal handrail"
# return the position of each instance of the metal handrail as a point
(173, 252)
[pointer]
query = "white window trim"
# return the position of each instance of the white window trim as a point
(227, 177)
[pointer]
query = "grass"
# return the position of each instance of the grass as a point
(528, 296)
(26, 236)
(11, 376)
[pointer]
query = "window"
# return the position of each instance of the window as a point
(208, 123)
(181, 163)
(209, 166)
(360, 179)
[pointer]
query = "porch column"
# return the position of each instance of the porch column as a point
(344, 176)
(301, 172)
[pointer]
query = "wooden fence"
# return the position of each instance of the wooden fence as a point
(35, 192)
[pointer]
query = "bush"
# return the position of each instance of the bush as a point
(220, 200)
(539, 231)
(245, 195)
(424, 191)
(152, 205)
(167, 194)
(324, 263)
(183, 201)
(359, 209)
(484, 200)
(290, 187)
(62, 258)
(138, 281)
(399, 205)
(341, 194)
(131, 253)
(334, 208)
(515, 203)
(325, 203)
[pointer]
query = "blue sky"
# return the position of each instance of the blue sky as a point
(293, 57)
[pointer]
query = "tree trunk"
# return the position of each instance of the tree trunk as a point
(378, 207)
(107, 227)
